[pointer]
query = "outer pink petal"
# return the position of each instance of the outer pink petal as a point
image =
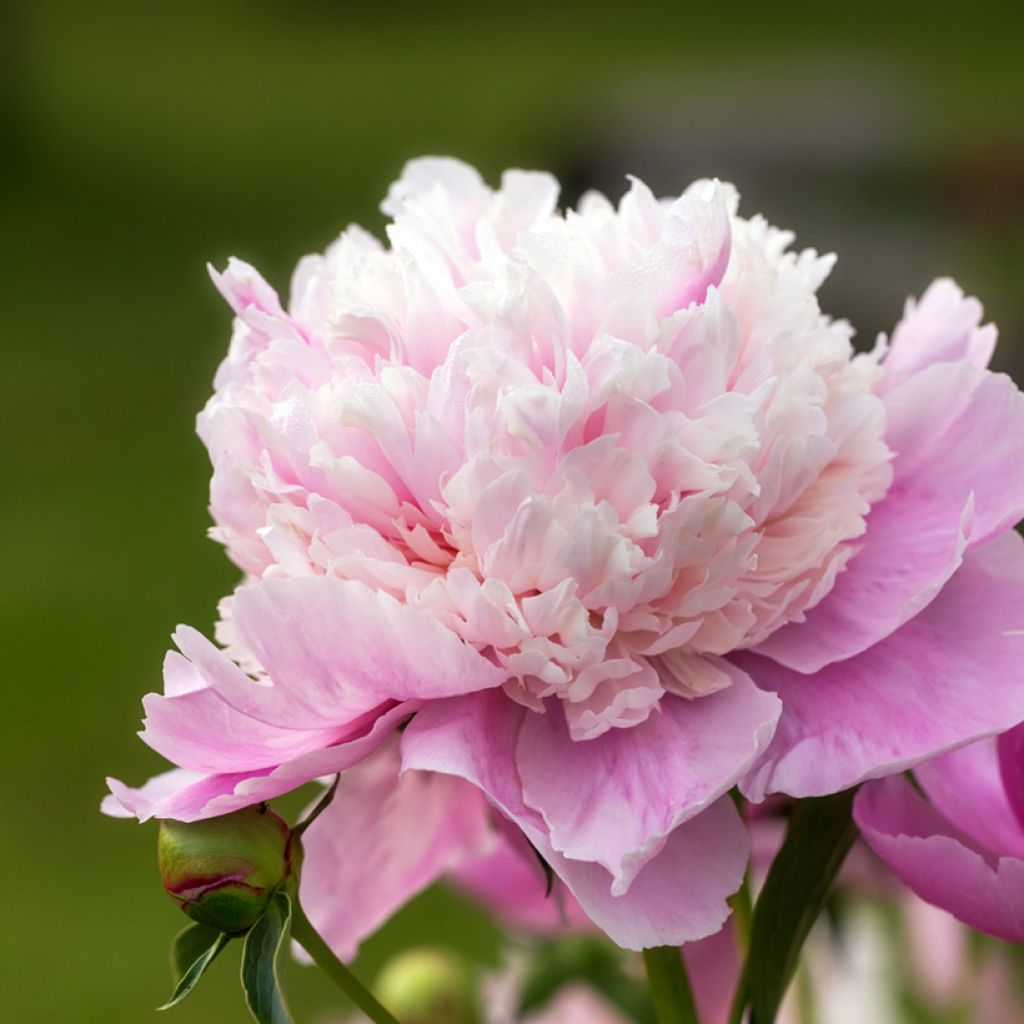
(958, 434)
(196, 729)
(949, 676)
(647, 780)
(512, 884)
(679, 896)
(189, 795)
(968, 789)
(335, 649)
(1011, 772)
(939, 863)
(944, 327)
(910, 551)
(381, 841)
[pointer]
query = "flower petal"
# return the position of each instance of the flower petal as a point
(1011, 771)
(187, 795)
(336, 649)
(383, 839)
(678, 897)
(943, 327)
(967, 787)
(949, 676)
(615, 799)
(957, 432)
(197, 729)
(939, 863)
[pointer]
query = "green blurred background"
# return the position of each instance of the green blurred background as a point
(141, 140)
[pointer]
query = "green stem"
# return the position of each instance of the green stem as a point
(742, 915)
(739, 1002)
(670, 986)
(308, 937)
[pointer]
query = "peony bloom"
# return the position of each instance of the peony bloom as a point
(960, 845)
(608, 507)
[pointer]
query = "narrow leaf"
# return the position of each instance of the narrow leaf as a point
(192, 952)
(188, 946)
(820, 834)
(260, 979)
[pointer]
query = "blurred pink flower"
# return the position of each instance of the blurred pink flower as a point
(577, 1005)
(960, 845)
(608, 504)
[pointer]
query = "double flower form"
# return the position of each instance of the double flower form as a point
(607, 515)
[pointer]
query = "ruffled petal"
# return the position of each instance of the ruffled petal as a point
(335, 649)
(197, 729)
(614, 800)
(187, 795)
(949, 676)
(681, 893)
(943, 327)
(958, 479)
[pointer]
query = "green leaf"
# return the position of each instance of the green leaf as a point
(821, 832)
(263, 944)
(192, 951)
(188, 946)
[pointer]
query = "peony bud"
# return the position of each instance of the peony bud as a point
(428, 986)
(222, 871)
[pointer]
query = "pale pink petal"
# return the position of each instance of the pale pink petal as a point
(941, 865)
(679, 896)
(713, 965)
(187, 795)
(577, 1004)
(957, 432)
(647, 780)
(943, 327)
(950, 675)
(974, 447)
(198, 730)
(335, 649)
(382, 840)
(511, 883)
(909, 552)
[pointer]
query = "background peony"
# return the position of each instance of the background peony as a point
(611, 507)
(960, 845)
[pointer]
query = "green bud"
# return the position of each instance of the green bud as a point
(222, 871)
(428, 986)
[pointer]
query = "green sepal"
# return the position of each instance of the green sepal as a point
(820, 834)
(192, 951)
(263, 944)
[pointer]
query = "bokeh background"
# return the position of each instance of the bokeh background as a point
(140, 140)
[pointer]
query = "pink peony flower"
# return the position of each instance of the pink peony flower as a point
(609, 506)
(960, 845)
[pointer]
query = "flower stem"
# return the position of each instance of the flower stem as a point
(308, 937)
(742, 915)
(670, 986)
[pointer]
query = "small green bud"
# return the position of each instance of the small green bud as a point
(222, 871)
(428, 986)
